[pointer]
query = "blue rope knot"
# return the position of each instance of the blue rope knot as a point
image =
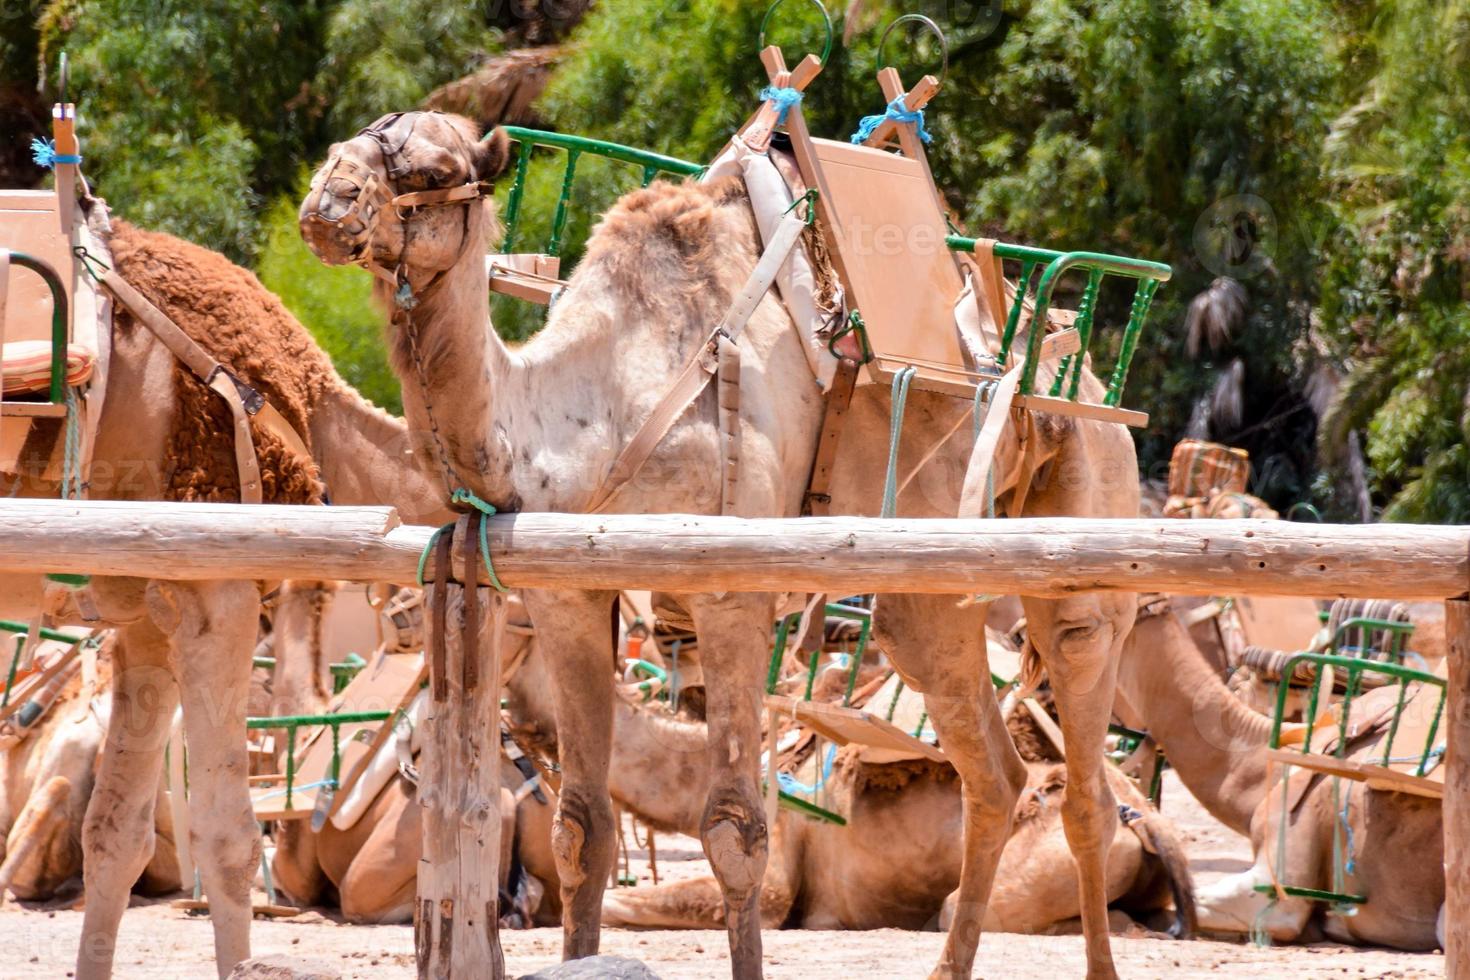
(45, 155)
(465, 497)
(899, 113)
(784, 98)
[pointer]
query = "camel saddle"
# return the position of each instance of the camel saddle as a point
(49, 230)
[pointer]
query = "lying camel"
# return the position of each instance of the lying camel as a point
(46, 782)
(894, 865)
(369, 869)
(1217, 745)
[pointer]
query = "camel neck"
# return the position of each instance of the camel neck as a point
(365, 459)
(1213, 740)
(451, 364)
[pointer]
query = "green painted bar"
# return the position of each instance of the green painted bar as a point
(559, 222)
(1086, 312)
(517, 191)
(59, 320)
(602, 148)
(11, 626)
(808, 809)
(1143, 297)
(345, 718)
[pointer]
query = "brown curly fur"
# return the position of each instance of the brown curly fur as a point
(230, 314)
(890, 776)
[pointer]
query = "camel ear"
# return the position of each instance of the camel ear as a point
(491, 155)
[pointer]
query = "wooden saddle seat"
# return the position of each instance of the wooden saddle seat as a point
(35, 225)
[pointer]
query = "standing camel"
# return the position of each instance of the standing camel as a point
(165, 437)
(539, 428)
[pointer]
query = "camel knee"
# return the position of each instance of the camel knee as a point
(737, 845)
(582, 840)
(1089, 815)
(231, 855)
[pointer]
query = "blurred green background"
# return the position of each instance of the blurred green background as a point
(1302, 164)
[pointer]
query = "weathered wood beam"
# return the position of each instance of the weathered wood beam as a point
(681, 553)
(1457, 793)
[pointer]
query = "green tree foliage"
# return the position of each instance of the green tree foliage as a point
(1395, 286)
(335, 302)
(1113, 125)
(190, 112)
(1312, 150)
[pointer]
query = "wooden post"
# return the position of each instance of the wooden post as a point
(1457, 793)
(457, 915)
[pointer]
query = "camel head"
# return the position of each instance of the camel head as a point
(407, 197)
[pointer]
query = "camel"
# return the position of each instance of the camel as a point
(1217, 745)
(821, 876)
(45, 784)
(164, 437)
(894, 864)
(538, 428)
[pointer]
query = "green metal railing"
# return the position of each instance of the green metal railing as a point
(773, 675)
(291, 723)
(342, 671)
(57, 390)
(1355, 669)
(1054, 267)
(575, 147)
(1397, 633)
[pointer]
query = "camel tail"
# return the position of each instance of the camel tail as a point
(1159, 838)
(31, 831)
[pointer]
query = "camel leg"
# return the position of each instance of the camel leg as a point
(576, 630)
(213, 640)
(1079, 640)
(735, 639)
(940, 650)
(118, 827)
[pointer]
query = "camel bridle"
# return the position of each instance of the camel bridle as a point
(373, 193)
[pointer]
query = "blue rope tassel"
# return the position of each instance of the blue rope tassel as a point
(45, 155)
(784, 98)
(463, 496)
(897, 112)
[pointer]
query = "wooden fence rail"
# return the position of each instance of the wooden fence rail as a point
(842, 556)
(681, 553)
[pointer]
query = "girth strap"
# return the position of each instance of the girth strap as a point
(243, 400)
(4, 297)
(703, 365)
(818, 499)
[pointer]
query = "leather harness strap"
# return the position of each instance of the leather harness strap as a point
(438, 653)
(243, 400)
(818, 499)
(4, 296)
(701, 367)
(470, 637)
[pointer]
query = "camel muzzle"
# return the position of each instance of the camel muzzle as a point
(340, 212)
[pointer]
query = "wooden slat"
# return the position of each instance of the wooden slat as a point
(850, 725)
(32, 410)
(1376, 777)
(1457, 793)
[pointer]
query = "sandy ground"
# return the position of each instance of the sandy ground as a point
(160, 942)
